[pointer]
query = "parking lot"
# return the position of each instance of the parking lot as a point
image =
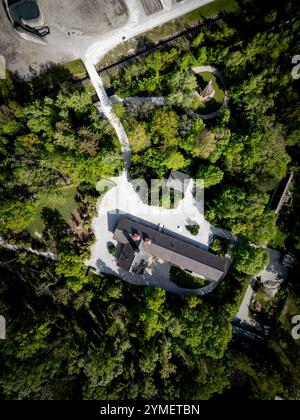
(80, 28)
(88, 17)
(74, 24)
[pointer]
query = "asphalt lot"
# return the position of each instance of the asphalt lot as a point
(88, 17)
(74, 25)
(82, 29)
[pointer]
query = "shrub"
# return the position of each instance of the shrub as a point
(193, 229)
(112, 249)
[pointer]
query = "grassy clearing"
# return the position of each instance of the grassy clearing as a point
(217, 101)
(61, 199)
(77, 69)
(192, 18)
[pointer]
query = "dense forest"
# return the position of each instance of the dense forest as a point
(74, 335)
(53, 150)
(113, 340)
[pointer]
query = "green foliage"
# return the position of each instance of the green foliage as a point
(248, 259)
(33, 342)
(176, 161)
(47, 144)
(211, 175)
(112, 249)
(193, 229)
(139, 138)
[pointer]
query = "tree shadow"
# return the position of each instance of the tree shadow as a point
(56, 229)
(47, 80)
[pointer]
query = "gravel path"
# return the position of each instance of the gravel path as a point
(47, 255)
(106, 109)
(139, 100)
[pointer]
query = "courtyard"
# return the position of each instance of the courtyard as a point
(122, 199)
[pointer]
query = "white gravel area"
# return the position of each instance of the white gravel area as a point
(123, 200)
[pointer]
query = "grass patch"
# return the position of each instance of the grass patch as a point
(77, 69)
(111, 249)
(193, 18)
(217, 101)
(171, 200)
(104, 185)
(61, 199)
(185, 280)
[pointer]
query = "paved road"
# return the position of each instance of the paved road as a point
(244, 308)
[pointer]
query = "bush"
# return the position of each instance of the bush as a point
(193, 229)
(248, 259)
(112, 249)
(219, 246)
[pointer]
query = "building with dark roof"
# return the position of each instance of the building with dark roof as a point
(208, 92)
(135, 236)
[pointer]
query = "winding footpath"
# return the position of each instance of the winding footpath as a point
(10, 247)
